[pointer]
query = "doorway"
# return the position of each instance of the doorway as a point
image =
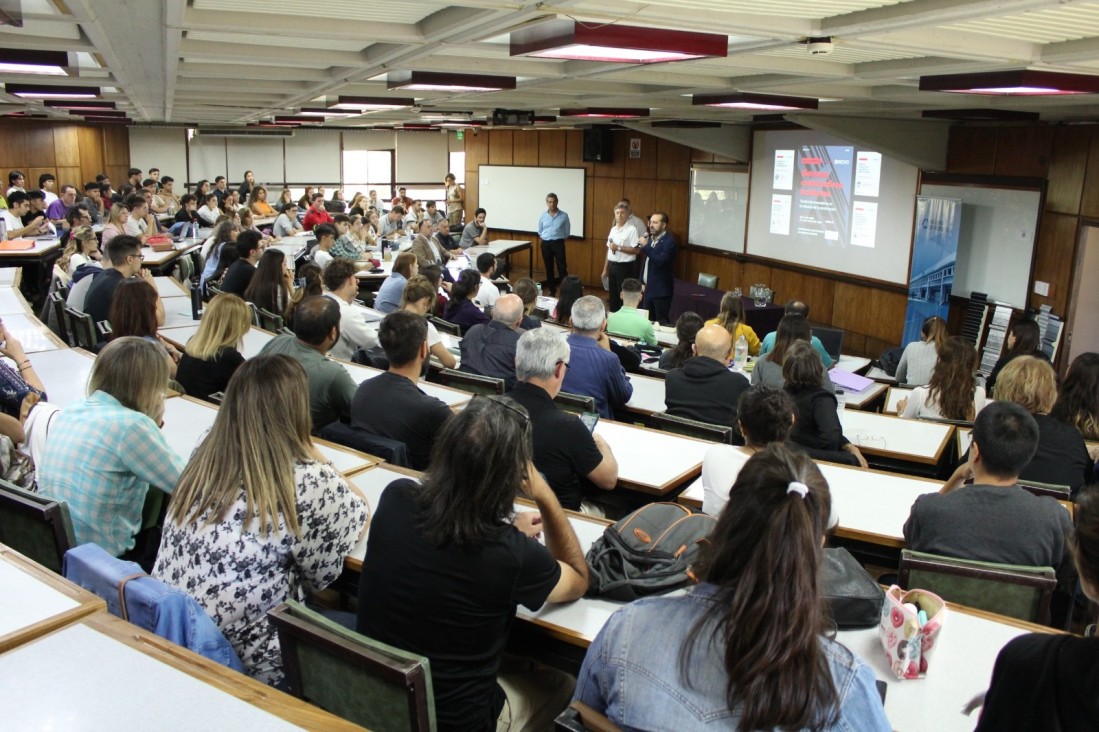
(1083, 318)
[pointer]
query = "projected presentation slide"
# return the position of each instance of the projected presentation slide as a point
(831, 204)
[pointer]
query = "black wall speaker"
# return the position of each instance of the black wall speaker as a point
(598, 147)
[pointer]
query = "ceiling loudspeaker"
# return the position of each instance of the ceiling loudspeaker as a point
(512, 118)
(598, 144)
(820, 46)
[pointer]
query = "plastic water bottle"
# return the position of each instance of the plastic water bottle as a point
(194, 229)
(740, 353)
(841, 400)
(538, 287)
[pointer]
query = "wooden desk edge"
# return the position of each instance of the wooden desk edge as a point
(236, 684)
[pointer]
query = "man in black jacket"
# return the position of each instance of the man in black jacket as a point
(704, 388)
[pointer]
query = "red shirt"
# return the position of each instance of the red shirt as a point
(404, 202)
(314, 217)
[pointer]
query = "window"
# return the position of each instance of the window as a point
(366, 169)
(458, 166)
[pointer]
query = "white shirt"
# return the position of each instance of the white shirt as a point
(920, 404)
(135, 226)
(488, 295)
(623, 236)
(12, 221)
(50, 197)
(321, 258)
(209, 215)
(638, 225)
(354, 332)
(433, 336)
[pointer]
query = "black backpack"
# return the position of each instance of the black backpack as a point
(650, 552)
(890, 360)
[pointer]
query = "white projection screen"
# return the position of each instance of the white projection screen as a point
(514, 196)
(827, 203)
(719, 207)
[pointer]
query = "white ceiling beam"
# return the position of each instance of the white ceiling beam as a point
(282, 29)
(923, 14)
(309, 57)
(947, 43)
(1067, 52)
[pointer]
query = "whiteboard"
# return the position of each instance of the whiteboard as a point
(160, 147)
(996, 242)
(261, 155)
(719, 208)
(313, 157)
(515, 196)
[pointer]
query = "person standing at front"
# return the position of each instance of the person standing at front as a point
(553, 230)
(622, 250)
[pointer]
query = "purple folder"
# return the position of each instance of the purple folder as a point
(849, 381)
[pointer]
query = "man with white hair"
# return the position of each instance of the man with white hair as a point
(572, 459)
(488, 349)
(594, 370)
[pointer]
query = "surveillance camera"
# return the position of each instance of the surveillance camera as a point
(820, 46)
(417, 108)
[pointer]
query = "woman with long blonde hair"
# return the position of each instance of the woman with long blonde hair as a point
(259, 514)
(212, 355)
(731, 318)
(116, 222)
(919, 357)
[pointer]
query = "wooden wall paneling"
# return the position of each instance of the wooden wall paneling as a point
(644, 166)
(551, 148)
(606, 193)
(673, 198)
(673, 161)
(642, 195)
(13, 152)
(616, 167)
(116, 149)
(39, 149)
(32, 174)
(66, 146)
(752, 273)
(500, 147)
(91, 153)
(1024, 151)
(701, 156)
(525, 147)
(471, 194)
(1089, 200)
(816, 292)
(1054, 258)
(727, 269)
(578, 258)
(69, 176)
(1067, 164)
(972, 149)
(476, 150)
(851, 308)
(574, 151)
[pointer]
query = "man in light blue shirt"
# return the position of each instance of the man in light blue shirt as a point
(553, 230)
(796, 307)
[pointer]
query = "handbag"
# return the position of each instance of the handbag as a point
(907, 641)
(853, 596)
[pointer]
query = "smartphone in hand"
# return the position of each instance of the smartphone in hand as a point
(590, 419)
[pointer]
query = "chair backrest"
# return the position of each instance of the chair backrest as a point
(255, 314)
(445, 326)
(35, 526)
(577, 403)
(83, 329)
(1060, 492)
(707, 280)
(353, 676)
(831, 339)
(1005, 589)
(269, 321)
(473, 383)
(64, 324)
(390, 450)
(692, 428)
(579, 717)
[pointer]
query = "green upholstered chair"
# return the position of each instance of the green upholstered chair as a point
(707, 280)
(1005, 589)
(692, 428)
(576, 403)
(34, 525)
(270, 322)
(473, 383)
(352, 676)
(1055, 490)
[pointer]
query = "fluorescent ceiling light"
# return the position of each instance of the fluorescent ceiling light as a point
(570, 39)
(23, 61)
(444, 81)
(1018, 82)
(34, 91)
(751, 100)
(605, 112)
(363, 104)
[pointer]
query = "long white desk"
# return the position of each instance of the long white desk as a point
(64, 372)
(907, 440)
(156, 259)
(451, 397)
(170, 287)
(187, 420)
(648, 394)
(30, 332)
(650, 461)
(177, 311)
(11, 302)
(150, 684)
(254, 340)
(41, 247)
(893, 398)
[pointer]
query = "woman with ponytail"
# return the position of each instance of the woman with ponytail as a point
(742, 650)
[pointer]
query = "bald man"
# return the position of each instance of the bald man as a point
(488, 349)
(704, 389)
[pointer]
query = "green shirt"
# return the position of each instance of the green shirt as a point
(631, 323)
(330, 386)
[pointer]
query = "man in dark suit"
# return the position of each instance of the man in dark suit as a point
(659, 249)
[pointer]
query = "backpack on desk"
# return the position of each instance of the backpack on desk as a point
(649, 552)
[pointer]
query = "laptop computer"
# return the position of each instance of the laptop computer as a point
(831, 339)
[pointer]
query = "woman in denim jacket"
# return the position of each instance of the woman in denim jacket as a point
(746, 649)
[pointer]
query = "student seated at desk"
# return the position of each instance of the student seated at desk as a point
(1078, 404)
(1045, 682)
(1061, 457)
(569, 291)
(223, 239)
(952, 392)
(342, 286)
(124, 255)
(488, 293)
(116, 223)
(919, 357)
(310, 284)
(272, 283)
(687, 326)
(136, 310)
(326, 238)
(731, 318)
(209, 211)
(105, 452)
(818, 427)
(1023, 339)
(768, 368)
(404, 268)
(239, 274)
(704, 389)
(528, 293)
(419, 297)
(448, 561)
(628, 320)
(594, 370)
(461, 309)
(740, 651)
(257, 202)
(287, 222)
(994, 520)
(796, 307)
(212, 355)
(392, 404)
(82, 249)
(254, 522)
(488, 349)
(764, 415)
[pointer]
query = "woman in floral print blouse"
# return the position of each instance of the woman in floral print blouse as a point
(258, 515)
